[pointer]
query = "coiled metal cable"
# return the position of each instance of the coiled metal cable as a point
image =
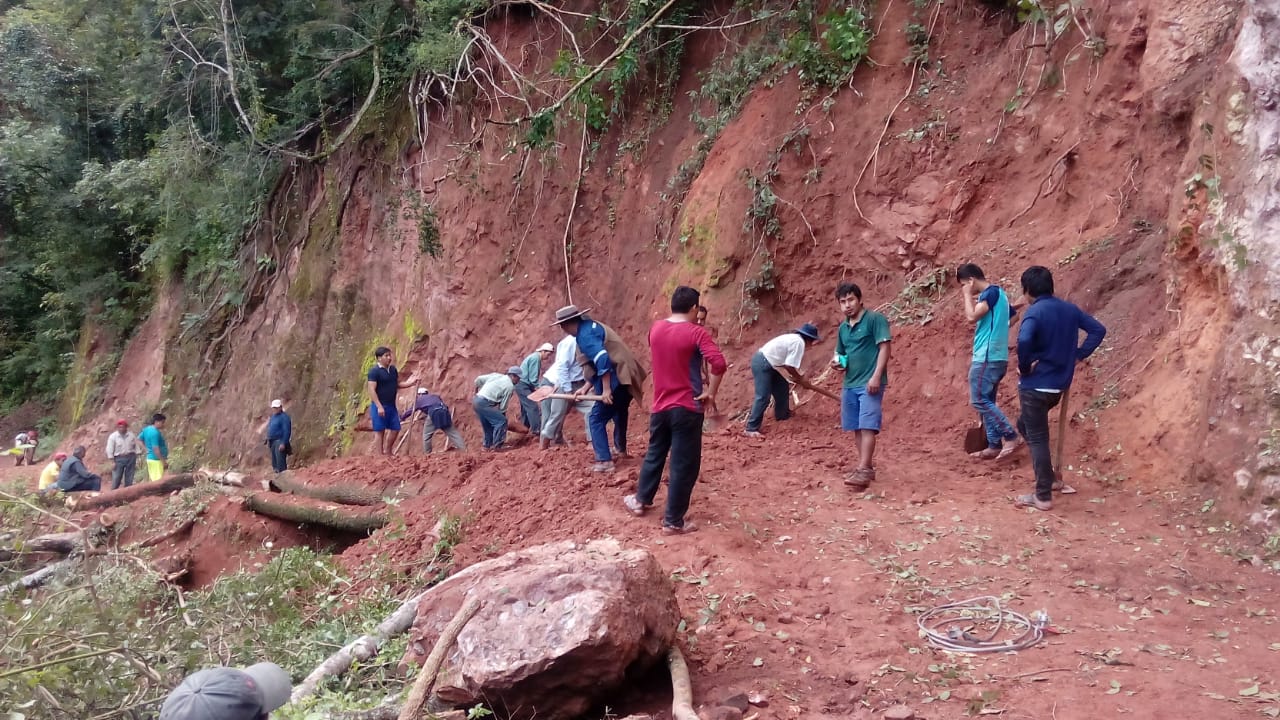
(955, 626)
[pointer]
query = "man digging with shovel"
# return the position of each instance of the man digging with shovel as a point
(1048, 349)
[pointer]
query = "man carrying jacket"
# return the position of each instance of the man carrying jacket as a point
(615, 375)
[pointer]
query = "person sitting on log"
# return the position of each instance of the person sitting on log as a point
(49, 475)
(74, 476)
(224, 693)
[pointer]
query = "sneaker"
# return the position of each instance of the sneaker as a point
(603, 467)
(634, 506)
(1032, 501)
(1010, 447)
(684, 529)
(754, 434)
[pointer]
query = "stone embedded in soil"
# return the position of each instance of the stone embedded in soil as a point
(899, 712)
(736, 700)
(721, 712)
(559, 628)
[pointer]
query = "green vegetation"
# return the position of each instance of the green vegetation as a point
(113, 641)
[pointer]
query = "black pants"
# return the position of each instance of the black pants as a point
(678, 432)
(530, 411)
(1033, 424)
(279, 458)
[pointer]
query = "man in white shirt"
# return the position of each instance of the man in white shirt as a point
(782, 354)
(123, 448)
(565, 376)
(493, 393)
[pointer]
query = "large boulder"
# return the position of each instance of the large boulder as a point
(560, 627)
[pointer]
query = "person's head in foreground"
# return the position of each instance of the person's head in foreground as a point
(224, 693)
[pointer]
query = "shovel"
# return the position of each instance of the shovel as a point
(547, 393)
(975, 439)
(1063, 419)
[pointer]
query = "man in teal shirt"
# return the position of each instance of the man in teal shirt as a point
(862, 349)
(157, 449)
(987, 307)
(530, 372)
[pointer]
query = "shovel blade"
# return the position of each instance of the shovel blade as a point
(975, 440)
(541, 393)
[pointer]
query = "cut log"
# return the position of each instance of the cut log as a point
(361, 649)
(111, 498)
(338, 494)
(224, 477)
(62, 543)
(316, 512)
(422, 686)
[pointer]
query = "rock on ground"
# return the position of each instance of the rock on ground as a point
(559, 628)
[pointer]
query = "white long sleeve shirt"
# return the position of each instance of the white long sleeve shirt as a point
(565, 370)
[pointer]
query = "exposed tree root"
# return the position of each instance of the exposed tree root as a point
(422, 686)
(315, 512)
(681, 687)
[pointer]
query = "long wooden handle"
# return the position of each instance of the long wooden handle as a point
(567, 396)
(1063, 416)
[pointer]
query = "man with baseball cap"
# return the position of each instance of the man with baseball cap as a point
(530, 372)
(123, 448)
(279, 434)
(493, 393)
(224, 693)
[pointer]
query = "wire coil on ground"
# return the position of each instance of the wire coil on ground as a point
(959, 626)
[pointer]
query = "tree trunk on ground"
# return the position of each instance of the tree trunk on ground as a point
(315, 512)
(111, 498)
(361, 649)
(338, 494)
(39, 577)
(224, 477)
(62, 543)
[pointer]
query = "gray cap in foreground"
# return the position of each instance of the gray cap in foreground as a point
(224, 693)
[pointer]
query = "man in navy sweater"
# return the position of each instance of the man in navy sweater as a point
(279, 436)
(1048, 349)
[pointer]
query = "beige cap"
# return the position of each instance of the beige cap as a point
(277, 403)
(547, 347)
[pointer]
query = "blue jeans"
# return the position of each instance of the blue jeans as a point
(279, 460)
(597, 423)
(530, 411)
(493, 420)
(769, 383)
(860, 410)
(984, 380)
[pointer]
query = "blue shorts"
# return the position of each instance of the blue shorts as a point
(860, 410)
(390, 421)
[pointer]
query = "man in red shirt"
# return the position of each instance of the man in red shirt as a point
(677, 348)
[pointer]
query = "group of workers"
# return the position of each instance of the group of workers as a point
(593, 371)
(68, 473)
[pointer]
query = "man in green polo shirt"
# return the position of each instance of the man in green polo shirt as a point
(862, 350)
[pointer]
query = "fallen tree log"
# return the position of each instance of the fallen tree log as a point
(111, 498)
(224, 477)
(39, 577)
(62, 543)
(315, 512)
(337, 493)
(361, 649)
